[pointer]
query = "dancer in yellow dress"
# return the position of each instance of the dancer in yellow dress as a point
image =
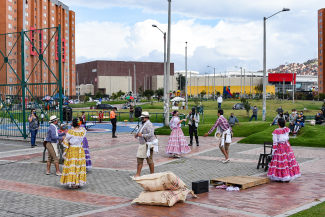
(74, 170)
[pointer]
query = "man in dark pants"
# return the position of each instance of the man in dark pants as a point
(255, 110)
(193, 123)
(113, 121)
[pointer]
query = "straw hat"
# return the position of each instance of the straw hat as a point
(53, 118)
(145, 115)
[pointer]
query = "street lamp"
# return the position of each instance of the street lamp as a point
(241, 77)
(214, 83)
(166, 78)
(264, 62)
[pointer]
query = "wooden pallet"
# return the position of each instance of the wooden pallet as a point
(243, 182)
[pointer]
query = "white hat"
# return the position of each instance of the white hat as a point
(145, 115)
(53, 118)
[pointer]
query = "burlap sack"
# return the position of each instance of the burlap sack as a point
(161, 198)
(160, 182)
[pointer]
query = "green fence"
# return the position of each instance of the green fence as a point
(29, 79)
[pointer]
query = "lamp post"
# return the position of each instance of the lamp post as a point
(241, 77)
(264, 62)
(244, 84)
(186, 102)
(168, 64)
(129, 83)
(293, 87)
(214, 83)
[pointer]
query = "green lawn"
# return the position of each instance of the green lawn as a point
(318, 210)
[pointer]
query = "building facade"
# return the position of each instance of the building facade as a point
(321, 29)
(112, 76)
(38, 17)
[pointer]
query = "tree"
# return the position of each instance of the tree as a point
(140, 91)
(203, 93)
(160, 92)
(148, 94)
(120, 93)
(114, 96)
(98, 95)
(259, 89)
(247, 107)
(180, 81)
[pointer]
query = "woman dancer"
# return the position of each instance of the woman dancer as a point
(85, 146)
(74, 169)
(283, 166)
(177, 143)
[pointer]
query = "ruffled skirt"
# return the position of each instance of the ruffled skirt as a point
(74, 168)
(283, 166)
(177, 143)
(87, 155)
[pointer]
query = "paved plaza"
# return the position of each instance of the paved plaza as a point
(25, 190)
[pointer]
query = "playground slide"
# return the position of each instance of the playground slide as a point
(226, 91)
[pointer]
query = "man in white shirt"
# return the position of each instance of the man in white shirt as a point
(219, 100)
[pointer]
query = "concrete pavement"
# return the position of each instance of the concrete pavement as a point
(25, 190)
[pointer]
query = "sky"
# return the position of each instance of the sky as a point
(221, 34)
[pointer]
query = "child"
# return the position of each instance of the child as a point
(42, 118)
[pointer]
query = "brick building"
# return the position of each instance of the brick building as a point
(111, 76)
(32, 16)
(321, 29)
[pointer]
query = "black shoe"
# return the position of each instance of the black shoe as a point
(33, 146)
(114, 136)
(197, 144)
(190, 144)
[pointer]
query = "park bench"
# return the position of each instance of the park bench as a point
(309, 118)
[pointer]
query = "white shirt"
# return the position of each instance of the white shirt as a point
(219, 100)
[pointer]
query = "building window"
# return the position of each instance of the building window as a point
(10, 43)
(10, 70)
(44, 74)
(52, 11)
(27, 63)
(320, 20)
(321, 88)
(53, 18)
(26, 14)
(320, 26)
(66, 25)
(320, 70)
(72, 16)
(10, 79)
(320, 14)
(321, 57)
(9, 26)
(9, 17)
(44, 21)
(44, 13)
(26, 6)
(27, 22)
(320, 76)
(320, 38)
(9, 8)
(52, 25)
(10, 0)
(320, 64)
(320, 45)
(52, 68)
(320, 82)
(320, 32)
(52, 61)
(320, 51)
(45, 7)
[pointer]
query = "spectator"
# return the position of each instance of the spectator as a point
(319, 119)
(300, 122)
(275, 120)
(279, 110)
(292, 119)
(255, 110)
(131, 113)
(100, 117)
(286, 116)
(219, 100)
(233, 120)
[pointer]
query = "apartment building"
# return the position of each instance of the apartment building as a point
(37, 18)
(321, 28)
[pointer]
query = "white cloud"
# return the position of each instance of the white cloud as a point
(235, 40)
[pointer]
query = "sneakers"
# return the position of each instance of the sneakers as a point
(114, 136)
(225, 161)
(197, 144)
(190, 144)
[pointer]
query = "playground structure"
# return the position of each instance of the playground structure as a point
(226, 92)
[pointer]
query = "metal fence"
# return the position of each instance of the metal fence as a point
(36, 84)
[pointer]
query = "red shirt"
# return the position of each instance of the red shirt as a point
(101, 115)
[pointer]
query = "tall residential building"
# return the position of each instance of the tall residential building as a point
(321, 29)
(31, 16)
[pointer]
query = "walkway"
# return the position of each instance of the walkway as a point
(25, 190)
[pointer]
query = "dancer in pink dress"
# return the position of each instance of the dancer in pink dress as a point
(177, 143)
(283, 166)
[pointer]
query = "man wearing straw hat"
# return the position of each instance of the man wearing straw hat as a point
(51, 145)
(146, 134)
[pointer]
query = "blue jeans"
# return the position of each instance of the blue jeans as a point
(33, 134)
(219, 105)
(275, 122)
(252, 117)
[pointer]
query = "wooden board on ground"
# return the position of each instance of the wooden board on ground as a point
(243, 182)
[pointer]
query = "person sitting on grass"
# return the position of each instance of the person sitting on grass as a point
(233, 120)
(319, 119)
(286, 116)
(275, 120)
(299, 123)
(292, 119)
